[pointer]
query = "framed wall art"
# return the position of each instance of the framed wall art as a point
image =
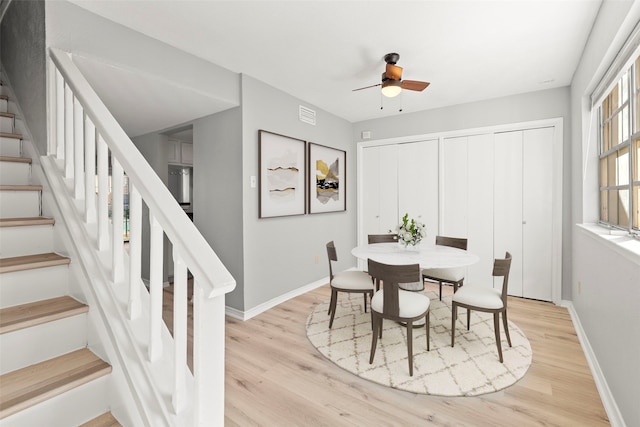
(282, 175)
(327, 179)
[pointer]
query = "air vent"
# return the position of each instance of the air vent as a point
(306, 115)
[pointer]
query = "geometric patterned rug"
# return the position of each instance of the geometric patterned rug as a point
(470, 368)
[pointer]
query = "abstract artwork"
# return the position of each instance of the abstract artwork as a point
(282, 175)
(327, 179)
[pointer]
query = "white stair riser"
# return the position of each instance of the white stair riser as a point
(10, 147)
(12, 173)
(4, 105)
(14, 204)
(21, 287)
(26, 240)
(36, 344)
(72, 408)
(6, 124)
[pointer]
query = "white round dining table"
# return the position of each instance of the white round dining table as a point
(426, 255)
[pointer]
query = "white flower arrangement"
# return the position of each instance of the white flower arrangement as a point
(410, 232)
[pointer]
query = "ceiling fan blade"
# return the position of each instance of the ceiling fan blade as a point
(414, 85)
(366, 87)
(393, 72)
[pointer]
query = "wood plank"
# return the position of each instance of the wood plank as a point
(27, 221)
(105, 420)
(10, 115)
(274, 376)
(10, 135)
(15, 159)
(29, 386)
(20, 187)
(28, 262)
(39, 312)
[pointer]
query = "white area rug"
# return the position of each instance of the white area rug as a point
(470, 368)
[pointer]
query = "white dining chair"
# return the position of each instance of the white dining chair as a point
(350, 281)
(485, 299)
(395, 304)
(453, 276)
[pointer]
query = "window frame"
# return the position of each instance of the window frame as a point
(627, 142)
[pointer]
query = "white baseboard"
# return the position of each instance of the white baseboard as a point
(609, 403)
(246, 315)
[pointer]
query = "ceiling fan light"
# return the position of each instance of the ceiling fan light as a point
(391, 88)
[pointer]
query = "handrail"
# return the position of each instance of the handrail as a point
(151, 188)
(83, 131)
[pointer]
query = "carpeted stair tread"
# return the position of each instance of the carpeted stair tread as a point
(26, 221)
(29, 386)
(105, 420)
(28, 262)
(36, 313)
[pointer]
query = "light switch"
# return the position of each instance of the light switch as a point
(253, 182)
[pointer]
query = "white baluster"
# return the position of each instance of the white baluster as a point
(78, 138)
(135, 251)
(208, 357)
(179, 331)
(90, 171)
(155, 288)
(68, 132)
(117, 221)
(103, 194)
(60, 93)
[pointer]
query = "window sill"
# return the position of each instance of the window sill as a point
(619, 241)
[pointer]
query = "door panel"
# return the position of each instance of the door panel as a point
(388, 172)
(480, 208)
(380, 189)
(508, 205)
(537, 213)
(370, 190)
(454, 220)
(418, 184)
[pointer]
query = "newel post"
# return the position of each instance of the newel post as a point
(208, 357)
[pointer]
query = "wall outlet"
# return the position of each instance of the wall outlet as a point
(316, 259)
(579, 287)
(252, 180)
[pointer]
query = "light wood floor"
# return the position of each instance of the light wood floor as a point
(275, 377)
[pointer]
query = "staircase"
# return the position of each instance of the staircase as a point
(72, 297)
(48, 374)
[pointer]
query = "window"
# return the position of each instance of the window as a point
(619, 118)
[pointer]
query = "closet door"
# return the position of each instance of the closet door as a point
(454, 211)
(508, 205)
(370, 192)
(418, 184)
(380, 189)
(537, 213)
(480, 169)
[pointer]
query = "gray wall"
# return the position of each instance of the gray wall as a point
(217, 191)
(532, 106)
(23, 56)
(607, 299)
(154, 148)
(280, 253)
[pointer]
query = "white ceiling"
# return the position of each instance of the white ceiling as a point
(319, 51)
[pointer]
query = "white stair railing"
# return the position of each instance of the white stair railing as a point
(83, 130)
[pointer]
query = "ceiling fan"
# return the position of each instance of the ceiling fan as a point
(392, 83)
